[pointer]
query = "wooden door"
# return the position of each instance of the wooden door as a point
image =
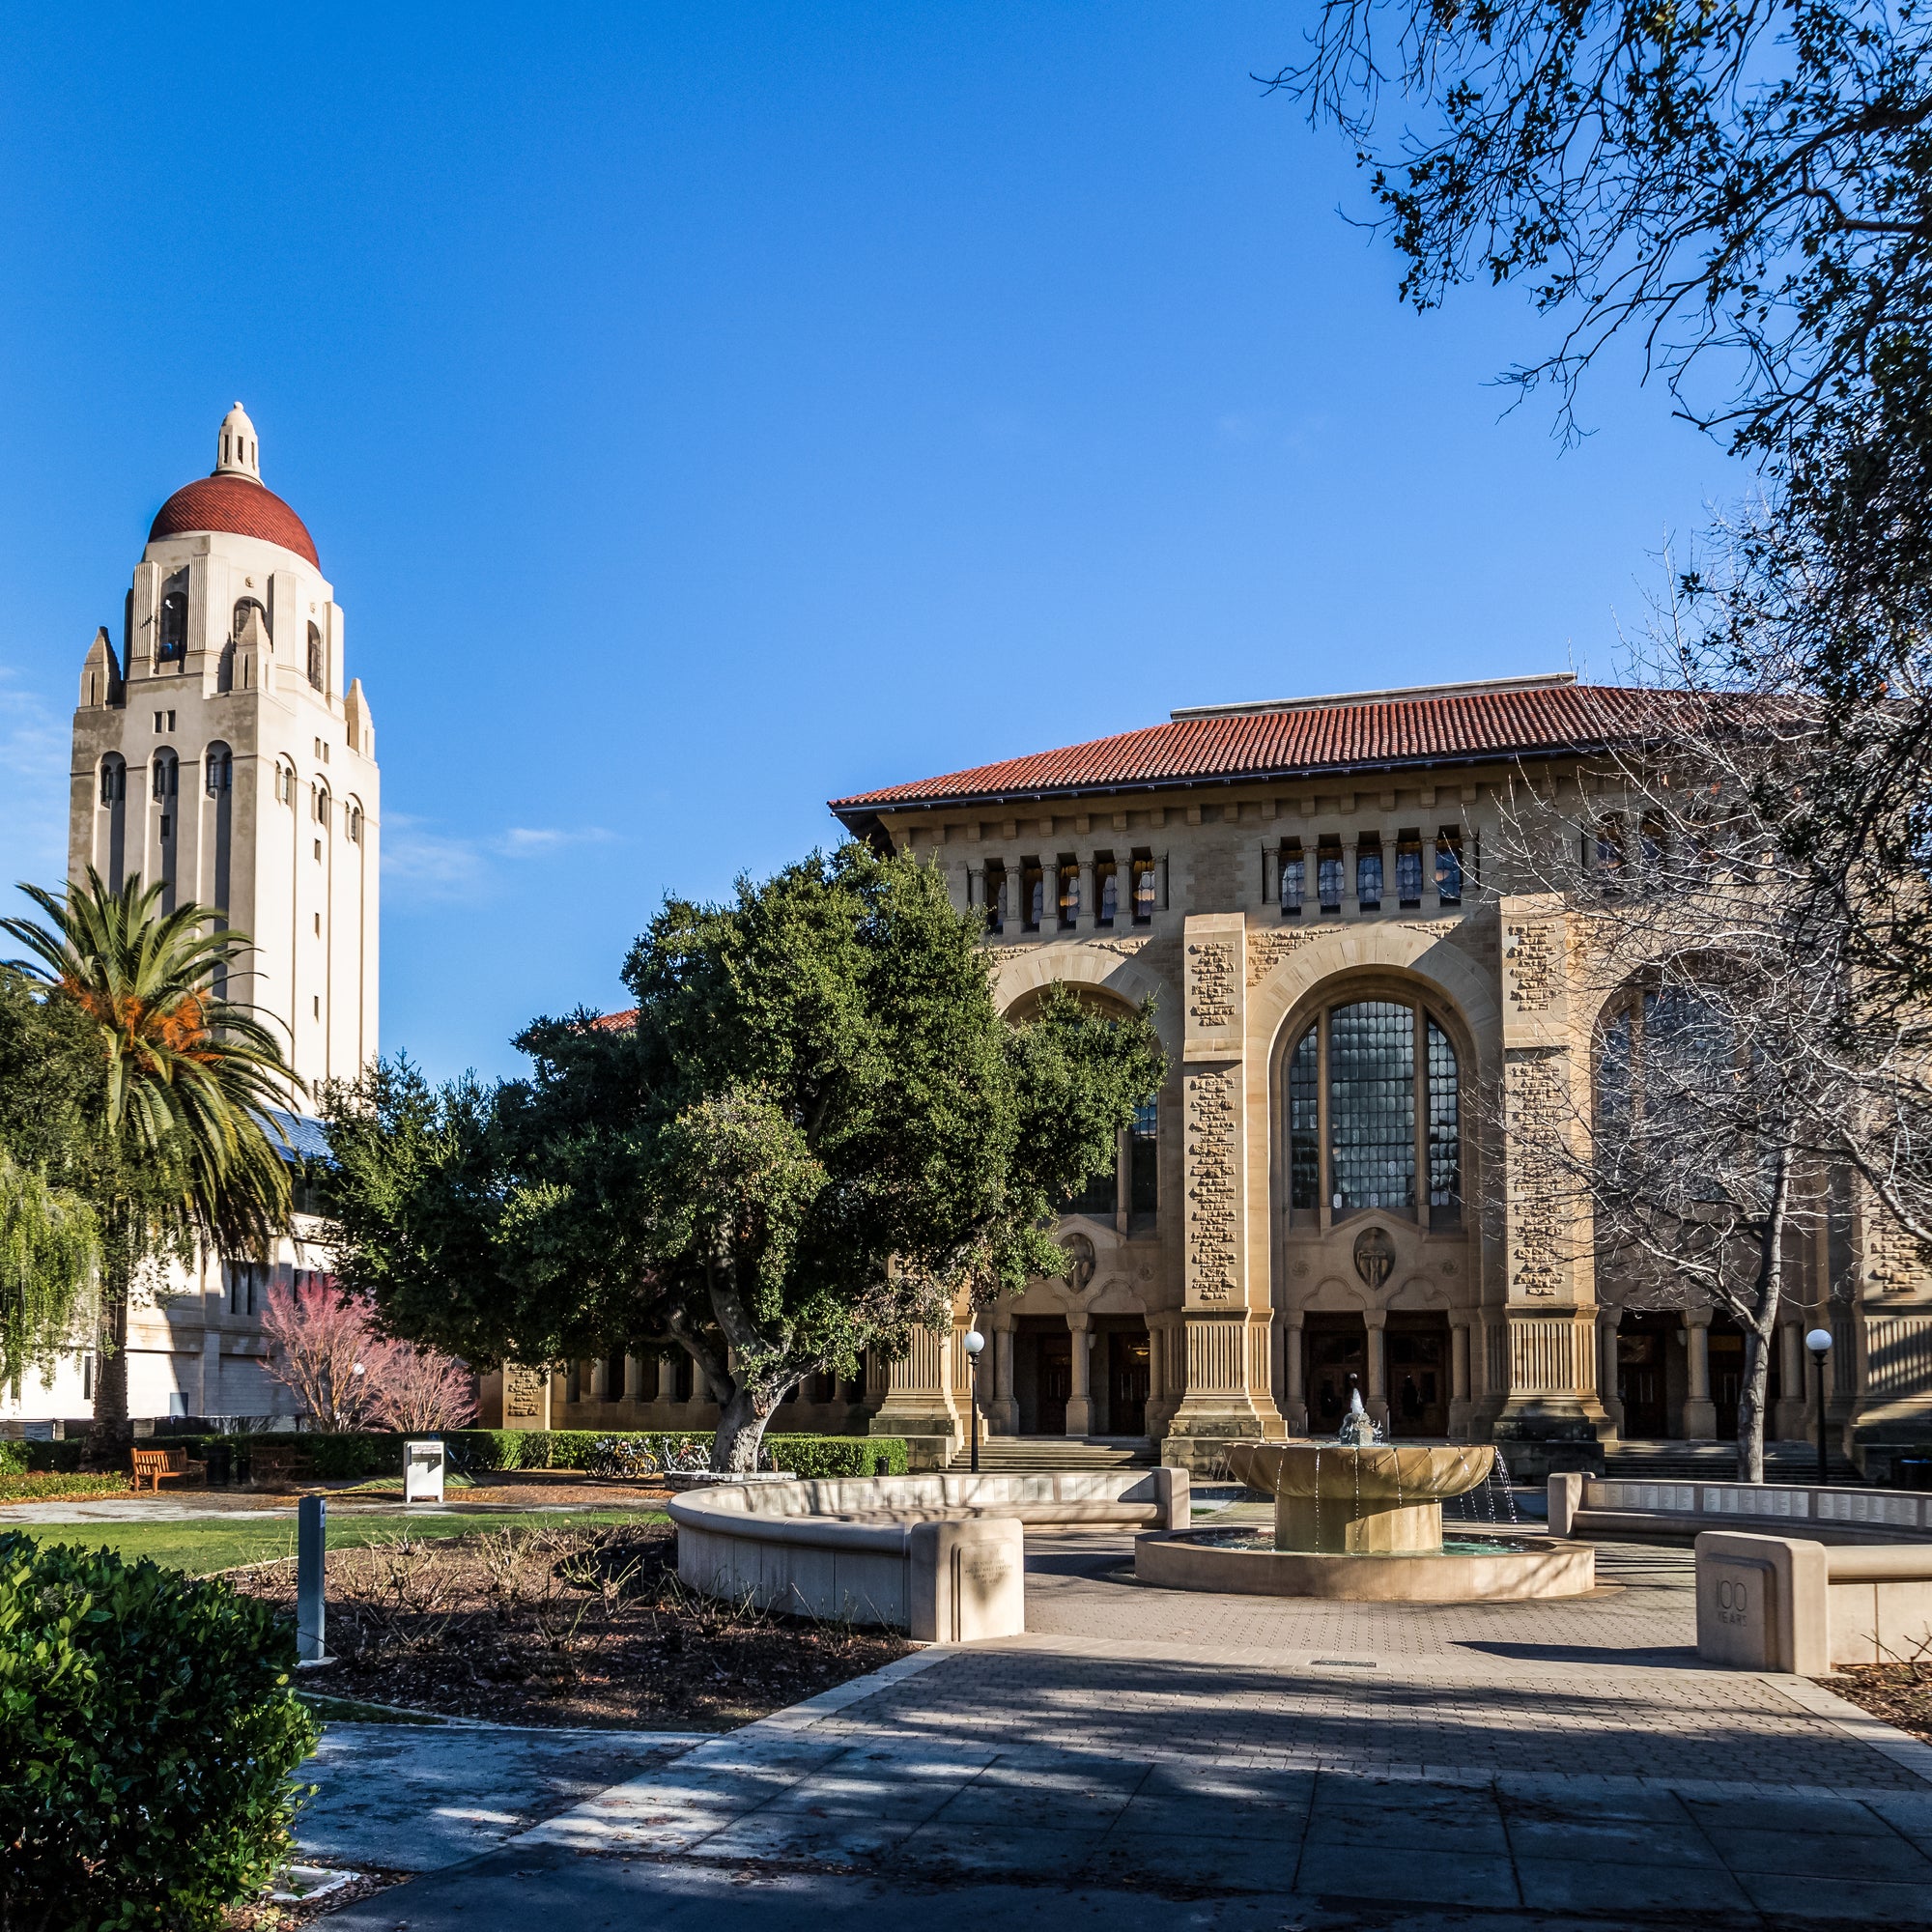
(1128, 1385)
(1056, 1384)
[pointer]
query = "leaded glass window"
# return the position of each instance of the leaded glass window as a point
(1449, 866)
(1409, 872)
(1372, 1106)
(1294, 876)
(1110, 891)
(1144, 891)
(1445, 1131)
(1329, 877)
(1304, 1123)
(1369, 877)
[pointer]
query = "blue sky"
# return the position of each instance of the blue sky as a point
(705, 412)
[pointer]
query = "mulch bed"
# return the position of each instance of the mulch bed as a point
(263, 1915)
(586, 1627)
(1900, 1694)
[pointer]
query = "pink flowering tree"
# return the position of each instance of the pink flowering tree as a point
(326, 1352)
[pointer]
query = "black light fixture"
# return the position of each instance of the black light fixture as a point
(1819, 1341)
(974, 1342)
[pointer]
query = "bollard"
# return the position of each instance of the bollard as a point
(311, 1546)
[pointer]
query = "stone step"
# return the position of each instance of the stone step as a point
(1717, 1462)
(1044, 1454)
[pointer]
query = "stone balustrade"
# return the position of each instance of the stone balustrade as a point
(1586, 1505)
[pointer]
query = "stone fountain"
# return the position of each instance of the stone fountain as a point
(1360, 1518)
(1359, 1499)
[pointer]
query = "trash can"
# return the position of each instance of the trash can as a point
(422, 1471)
(221, 1464)
(1913, 1472)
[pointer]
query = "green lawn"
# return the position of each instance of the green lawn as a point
(213, 1543)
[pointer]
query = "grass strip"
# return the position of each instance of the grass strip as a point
(205, 1544)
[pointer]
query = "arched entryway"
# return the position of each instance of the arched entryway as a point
(1335, 1358)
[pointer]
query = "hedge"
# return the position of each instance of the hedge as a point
(16, 1458)
(45, 1486)
(573, 1448)
(148, 1729)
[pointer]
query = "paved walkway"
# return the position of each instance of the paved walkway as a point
(1207, 1761)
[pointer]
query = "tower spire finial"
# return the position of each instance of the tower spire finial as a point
(236, 450)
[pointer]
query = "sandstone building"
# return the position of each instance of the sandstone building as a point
(1306, 891)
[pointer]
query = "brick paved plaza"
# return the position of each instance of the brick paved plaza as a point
(1224, 1759)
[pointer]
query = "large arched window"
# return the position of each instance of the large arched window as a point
(1374, 1117)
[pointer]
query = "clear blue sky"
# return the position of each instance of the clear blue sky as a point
(703, 412)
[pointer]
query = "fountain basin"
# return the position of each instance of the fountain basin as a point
(1204, 1560)
(1377, 1499)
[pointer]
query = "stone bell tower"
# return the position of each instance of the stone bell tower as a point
(222, 749)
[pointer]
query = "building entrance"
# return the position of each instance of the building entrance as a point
(1727, 1373)
(1127, 1382)
(1644, 1371)
(1335, 1353)
(1418, 1373)
(1042, 1373)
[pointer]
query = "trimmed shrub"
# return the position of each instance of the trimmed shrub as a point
(828, 1457)
(819, 1456)
(353, 1456)
(12, 1457)
(147, 1734)
(64, 1456)
(50, 1486)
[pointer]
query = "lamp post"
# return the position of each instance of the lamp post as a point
(1819, 1341)
(974, 1342)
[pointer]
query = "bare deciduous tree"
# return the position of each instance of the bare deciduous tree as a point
(1735, 1061)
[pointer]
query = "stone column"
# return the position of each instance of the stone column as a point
(1375, 1398)
(1701, 1412)
(1459, 1376)
(919, 1395)
(667, 1379)
(1609, 1320)
(1080, 1403)
(1003, 1413)
(1226, 1315)
(1792, 1422)
(1123, 1181)
(1547, 1411)
(1294, 1408)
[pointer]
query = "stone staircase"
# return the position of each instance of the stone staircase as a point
(1038, 1455)
(1717, 1462)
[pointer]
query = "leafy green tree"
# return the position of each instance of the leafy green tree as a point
(176, 1128)
(816, 1132)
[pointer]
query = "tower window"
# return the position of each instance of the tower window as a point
(1033, 894)
(174, 628)
(315, 669)
(113, 779)
(1069, 892)
(1108, 876)
(996, 896)
(218, 769)
(166, 771)
(352, 824)
(1449, 866)
(1145, 888)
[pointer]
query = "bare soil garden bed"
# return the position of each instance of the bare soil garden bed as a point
(561, 1626)
(1898, 1693)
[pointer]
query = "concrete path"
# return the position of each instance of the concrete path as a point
(416, 1798)
(1166, 1759)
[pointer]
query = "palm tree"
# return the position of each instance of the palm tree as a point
(183, 1148)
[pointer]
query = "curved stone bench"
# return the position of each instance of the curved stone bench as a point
(939, 1556)
(1786, 1602)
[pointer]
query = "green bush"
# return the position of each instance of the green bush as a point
(147, 1734)
(64, 1456)
(12, 1457)
(350, 1458)
(821, 1456)
(45, 1486)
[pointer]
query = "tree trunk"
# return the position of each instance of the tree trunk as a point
(1750, 1397)
(741, 1431)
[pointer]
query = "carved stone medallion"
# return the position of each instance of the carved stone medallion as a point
(1375, 1256)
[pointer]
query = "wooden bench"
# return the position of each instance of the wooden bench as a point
(160, 1464)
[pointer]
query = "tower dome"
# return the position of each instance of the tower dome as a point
(234, 500)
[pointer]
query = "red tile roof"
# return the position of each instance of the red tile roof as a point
(1373, 733)
(623, 1022)
(238, 505)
